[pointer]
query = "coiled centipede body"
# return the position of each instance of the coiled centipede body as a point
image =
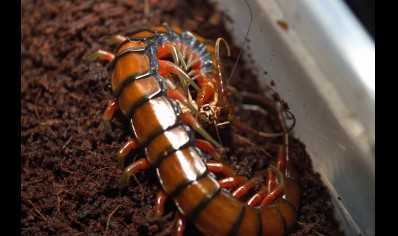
(159, 107)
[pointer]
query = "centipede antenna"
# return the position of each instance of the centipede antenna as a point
(244, 41)
(218, 64)
(218, 134)
(219, 71)
(291, 116)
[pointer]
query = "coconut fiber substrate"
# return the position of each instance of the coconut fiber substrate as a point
(69, 173)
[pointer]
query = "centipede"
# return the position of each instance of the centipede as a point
(168, 83)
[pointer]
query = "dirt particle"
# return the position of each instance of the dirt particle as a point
(283, 24)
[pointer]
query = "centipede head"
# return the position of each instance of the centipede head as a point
(219, 110)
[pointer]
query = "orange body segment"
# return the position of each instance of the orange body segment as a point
(166, 143)
(220, 215)
(138, 91)
(128, 65)
(190, 200)
(153, 117)
(172, 171)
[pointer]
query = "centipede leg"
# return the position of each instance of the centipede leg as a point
(257, 197)
(100, 54)
(281, 162)
(207, 88)
(181, 224)
(167, 67)
(131, 144)
(206, 92)
(207, 147)
(188, 119)
(276, 191)
(160, 200)
(217, 167)
(242, 190)
(265, 195)
(271, 196)
(280, 165)
(180, 220)
(232, 181)
(275, 179)
(178, 58)
(116, 39)
(177, 95)
(105, 55)
(141, 164)
(107, 116)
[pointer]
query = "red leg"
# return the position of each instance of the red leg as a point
(207, 91)
(141, 164)
(209, 148)
(180, 220)
(266, 195)
(174, 50)
(100, 54)
(272, 195)
(116, 39)
(105, 55)
(217, 167)
(163, 51)
(232, 181)
(242, 190)
(283, 154)
(107, 116)
(180, 224)
(271, 182)
(281, 160)
(167, 67)
(256, 198)
(177, 95)
(188, 119)
(131, 144)
(205, 94)
(161, 199)
(207, 87)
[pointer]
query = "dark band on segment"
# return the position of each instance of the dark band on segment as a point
(238, 221)
(185, 183)
(283, 220)
(132, 78)
(111, 65)
(260, 224)
(141, 101)
(203, 203)
(167, 152)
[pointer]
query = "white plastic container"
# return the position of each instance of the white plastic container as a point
(323, 65)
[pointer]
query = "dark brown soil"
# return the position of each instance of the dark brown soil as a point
(68, 165)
